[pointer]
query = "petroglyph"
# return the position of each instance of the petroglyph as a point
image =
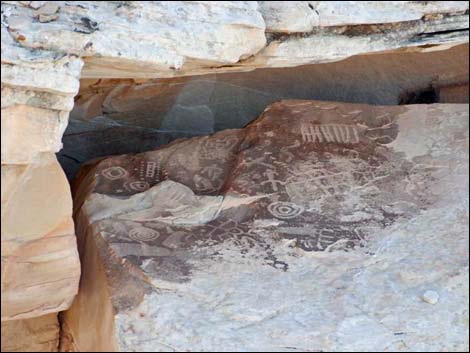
(143, 234)
(152, 170)
(276, 195)
(285, 151)
(285, 210)
(138, 186)
(260, 161)
(216, 148)
(326, 187)
(114, 173)
(272, 181)
(329, 133)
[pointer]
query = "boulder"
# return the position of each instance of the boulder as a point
(319, 226)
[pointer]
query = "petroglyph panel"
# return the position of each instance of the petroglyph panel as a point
(327, 179)
(332, 162)
(305, 177)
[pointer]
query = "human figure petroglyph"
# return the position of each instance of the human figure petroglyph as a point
(272, 181)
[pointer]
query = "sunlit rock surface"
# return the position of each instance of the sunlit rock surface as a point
(38, 334)
(40, 267)
(320, 226)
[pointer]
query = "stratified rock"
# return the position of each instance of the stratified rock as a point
(40, 267)
(39, 334)
(28, 131)
(317, 227)
(304, 16)
(141, 39)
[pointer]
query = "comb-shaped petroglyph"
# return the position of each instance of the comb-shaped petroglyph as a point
(329, 133)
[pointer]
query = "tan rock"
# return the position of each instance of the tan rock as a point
(39, 334)
(40, 266)
(27, 131)
(454, 93)
(316, 227)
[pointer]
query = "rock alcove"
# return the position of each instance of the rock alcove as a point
(246, 176)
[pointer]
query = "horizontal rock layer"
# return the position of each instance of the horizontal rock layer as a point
(39, 334)
(320, 226)
(145, 40)
(40, 268)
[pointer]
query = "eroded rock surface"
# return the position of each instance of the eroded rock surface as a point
(40, 267)
(119, 39)
(39, 334)
(319, 226)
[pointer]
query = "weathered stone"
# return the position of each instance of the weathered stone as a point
(19, 96)
(44, 46)
(454, 93)
(40, 267)
(39, 334)
(123, 116)
(28, 131)
(166, 39)
(316, 227)
(304, 16)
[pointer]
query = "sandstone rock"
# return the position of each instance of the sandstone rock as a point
(316, 227)
(39, 334)
(458, 93)
(304, 16)
(40, 267)
(166, 39)
(28, 131)
(124, 116)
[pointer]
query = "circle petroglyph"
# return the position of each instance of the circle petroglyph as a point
(143, 234)
(285, 210)
(137, 186)
(114, 173)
